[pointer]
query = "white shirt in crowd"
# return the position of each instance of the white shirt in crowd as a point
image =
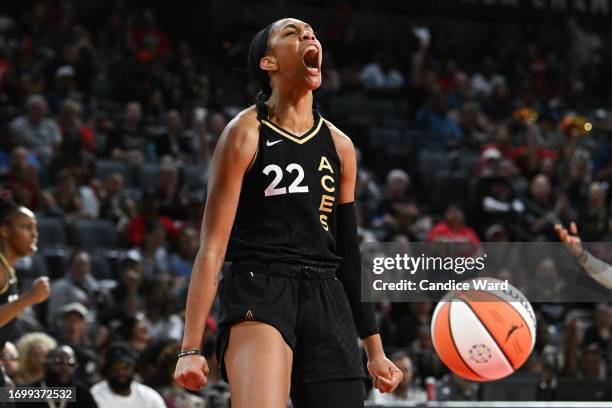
(140, 397)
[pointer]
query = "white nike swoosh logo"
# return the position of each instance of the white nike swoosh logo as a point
(269, 143)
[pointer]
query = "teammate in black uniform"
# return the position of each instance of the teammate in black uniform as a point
(281, 195)
(17, 239)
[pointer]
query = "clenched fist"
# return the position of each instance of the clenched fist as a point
(39, 292)
(191, 372)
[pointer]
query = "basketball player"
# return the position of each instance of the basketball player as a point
(284, 178)
(596, 268)
(18, 237)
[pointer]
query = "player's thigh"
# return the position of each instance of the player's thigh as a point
(258, 364)
(329, 394)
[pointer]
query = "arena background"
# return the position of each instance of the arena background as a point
(109, 112)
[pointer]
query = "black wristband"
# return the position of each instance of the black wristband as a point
(190, 353)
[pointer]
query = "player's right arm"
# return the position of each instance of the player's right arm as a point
(234, 153)
(39, 292)
(596, 268)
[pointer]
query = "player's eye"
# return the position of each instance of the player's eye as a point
(289, 33)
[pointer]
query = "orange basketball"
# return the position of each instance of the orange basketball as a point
(481, 334)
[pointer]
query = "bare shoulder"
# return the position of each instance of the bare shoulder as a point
(344, 144)
(242, 129)
(238, 142)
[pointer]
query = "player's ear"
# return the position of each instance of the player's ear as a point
(268, 63)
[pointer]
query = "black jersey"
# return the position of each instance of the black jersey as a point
(9, 295)
(289, 196)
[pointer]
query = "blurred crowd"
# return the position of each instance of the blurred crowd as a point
(116, 125)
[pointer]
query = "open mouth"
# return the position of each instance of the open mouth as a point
(311, 59)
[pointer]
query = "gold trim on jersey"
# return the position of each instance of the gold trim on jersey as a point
(10, 275)
(299, 140)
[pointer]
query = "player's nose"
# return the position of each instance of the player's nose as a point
(307, 35)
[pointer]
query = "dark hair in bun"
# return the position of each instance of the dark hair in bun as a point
(8, 208)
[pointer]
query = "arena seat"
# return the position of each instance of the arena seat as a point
(148, 175)
(105, 167)
(89, 234)
(51, 232)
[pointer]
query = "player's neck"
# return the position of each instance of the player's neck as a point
(291, 109)
(9, 255)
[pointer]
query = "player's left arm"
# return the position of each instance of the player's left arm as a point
(386, 375)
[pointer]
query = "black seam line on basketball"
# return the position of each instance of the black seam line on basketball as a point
(492, 337)
(450, 331)
(520, 315)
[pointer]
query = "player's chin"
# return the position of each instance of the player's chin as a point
(313, 81)
(30, 249)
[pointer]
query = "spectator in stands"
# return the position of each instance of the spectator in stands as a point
(543, 210)
(9, 362)
(75, 133)
(35, 131)
(215, 125)
(434, 117)
(154, 252)
(170, 190)
(64, 199)
(194, 211)
(120, 389)
(601, 330)
(482, 82)
(454, 388)
(474, 125)
(164, 323)
(187, 248)
(495, 198)
(116, 204)
(33, 349)
(60, 370)
(64, 88)
(125, 296)
(22, 180)
(424, 354)
(73, 332)
(499, 105)
(596, 211)
(149, 213)
(593, 364)
(410, 318)
(577, 174)
(174, 395)
(367, 189)
(396, 195)
(453, 228)
(128, 142)
(135, 332)
(175, 141)
(381, 74)
(502, 143)
(406, 390)
(77, 285)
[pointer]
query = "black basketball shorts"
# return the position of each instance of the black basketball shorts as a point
(306, 304)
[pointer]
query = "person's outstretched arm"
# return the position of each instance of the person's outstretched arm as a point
(596, 268)
(231, 159)
(385, 374)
